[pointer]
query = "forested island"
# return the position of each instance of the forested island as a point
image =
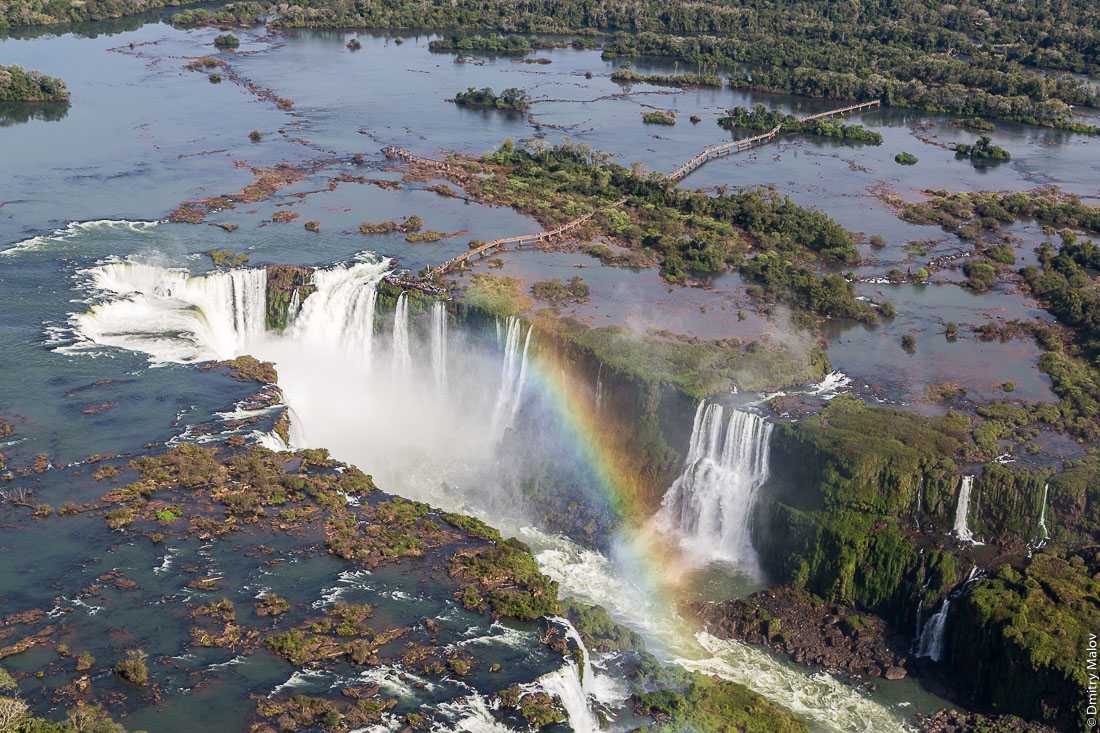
(509, 100)
(20, 85)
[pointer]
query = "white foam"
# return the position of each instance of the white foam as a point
(75, 229)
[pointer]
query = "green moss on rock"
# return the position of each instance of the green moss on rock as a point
(1021, 639)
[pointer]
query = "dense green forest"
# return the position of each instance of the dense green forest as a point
(992, 59)
(997, 59)
(15, 13)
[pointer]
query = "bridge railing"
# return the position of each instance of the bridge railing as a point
(745, 143)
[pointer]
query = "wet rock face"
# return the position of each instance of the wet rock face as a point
(809, 631)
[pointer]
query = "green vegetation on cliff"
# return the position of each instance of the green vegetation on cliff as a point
(1021, 639)
(19, 85)
(851, 482)
(284, 282)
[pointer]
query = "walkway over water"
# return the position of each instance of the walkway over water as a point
(689, 167)
(739, 146)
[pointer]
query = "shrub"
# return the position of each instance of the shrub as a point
(227, 40)
(133, 668)
(905, 159)
(659, 117)
(980, 275)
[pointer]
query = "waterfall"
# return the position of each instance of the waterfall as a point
(340, 314)
(439, 345)
(402, 359)
(932, 636)
(578, 686)
(711, 503)
(599, 386)
(172, 316)
(962, 508)
(513, 377)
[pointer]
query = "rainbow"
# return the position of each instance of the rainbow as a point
(603, 442)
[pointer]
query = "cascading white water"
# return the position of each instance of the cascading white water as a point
(932, 635)
(620, 587)
(339, 316)
(1044, 533)
(578, 686)
(513, 377)
(294, 306)
(962, 509)
(439, 345)
(711, 503)
(172, 316)
(521, 381)
(599, 386)
(400, 354)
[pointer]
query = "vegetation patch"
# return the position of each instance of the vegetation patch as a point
(557, 293)
(629, 76)
(510, 100)
(712, 705)
(659, 117)
(982, 152)
(504, 579)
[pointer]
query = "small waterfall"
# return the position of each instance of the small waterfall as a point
(932, 636)
(513, 377)
(402, 359)
(293, 307)
(711, 503)
(439, 345)
(599, 386)
(521, 382)
(1044, 532)
(962, 509)
(579, 687)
